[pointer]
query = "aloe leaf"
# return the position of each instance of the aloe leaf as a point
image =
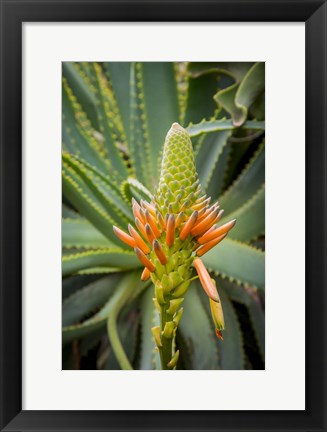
(78, 136)
(133, 285)
(164, 97)
(79, 233)
(68, 361)
(88, 299)
(220, 125)
(227, 88)
(139, 144)
(237, 261)
(238, 98)
(246, 184)
(90, 341)
(110, 126)
(127, 321)
(105, 184)
(257, 317)
(156, 87)
(199, 102)
(70, 172)
(235, 291)
(250, 218)
(231, 349)
(110, 201)
(226, 99)
(208, 155)
(80, 84)
(132, 188)
(87, 68)
(217, 181)
(99, 270)
(251, 87)
(99, 320)
(68, 213)
(248, 297)
(127, 329)
(257, 109)
(237, 70)
(196, 69)
(87, 206)
(119, 75)
(148, 353)
(72, 284)
(198, 334)
(117, 258)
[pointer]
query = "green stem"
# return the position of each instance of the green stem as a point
(167, 343)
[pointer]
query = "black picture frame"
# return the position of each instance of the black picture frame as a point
(13, 14)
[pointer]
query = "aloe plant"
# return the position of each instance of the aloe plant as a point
(115, 120)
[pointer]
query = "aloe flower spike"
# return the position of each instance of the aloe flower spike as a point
(172, 232)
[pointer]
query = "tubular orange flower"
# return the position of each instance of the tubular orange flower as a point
(148, 207)
(159, 252)
(144, 260)
(206, 233)
(170, 235)
(214, 233)
(201, 199)
(206, 247)
(208, 221)
(152, 223)
(202, 213)
(137, 211)
(145, 274)
(124, 237)
(140, 227)
(206, 281)
(149, 233)
(188, 226)
(140, 243)
(179, 219)
(203, 204)
(160, 220)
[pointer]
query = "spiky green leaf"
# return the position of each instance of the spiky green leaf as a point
(237, 261)
(198, 333)
(116, 258)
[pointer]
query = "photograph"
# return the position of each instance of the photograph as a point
(172, 276)
(163, 215)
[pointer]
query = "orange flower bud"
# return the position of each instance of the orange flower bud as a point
(152, 223)
(170, 235)
(124, 237)
(140, 243)
(189, 225)
(207, 283)
(144, 260)
(205, 248)
(213, 234)
(159, 252)
(145, 274)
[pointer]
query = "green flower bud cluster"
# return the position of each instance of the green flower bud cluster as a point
(179, 185)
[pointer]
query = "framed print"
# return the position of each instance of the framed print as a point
(163, 215)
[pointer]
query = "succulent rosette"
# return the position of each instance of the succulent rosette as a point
(172, 264)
